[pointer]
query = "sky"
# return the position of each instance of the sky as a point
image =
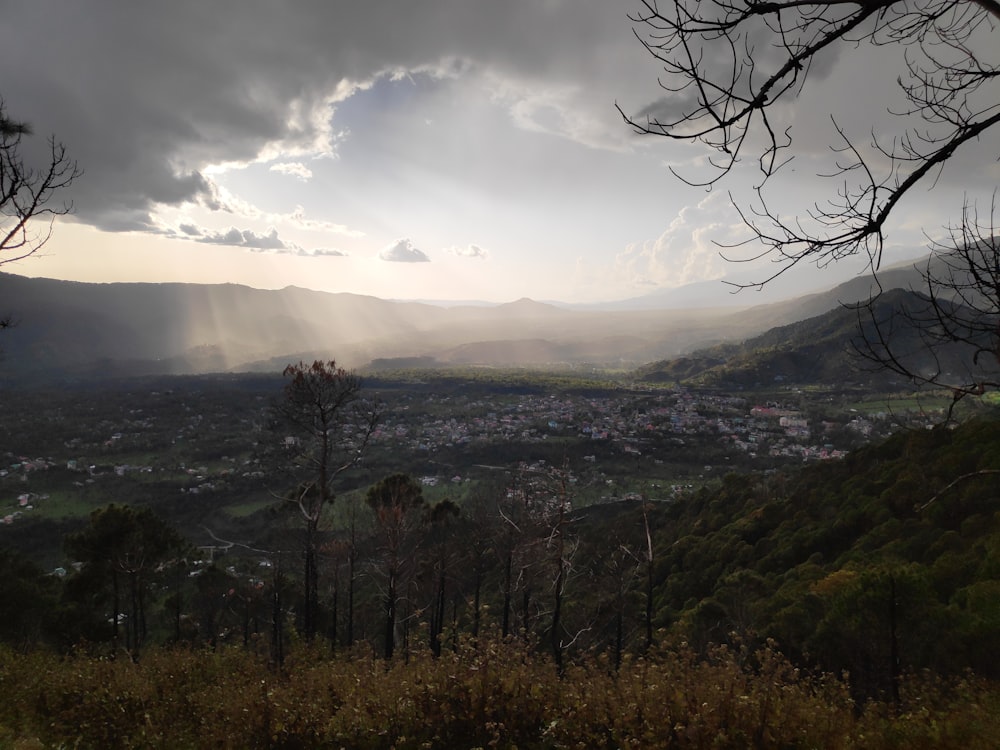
(441, 149)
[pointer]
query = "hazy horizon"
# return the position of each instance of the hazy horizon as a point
(722, 292)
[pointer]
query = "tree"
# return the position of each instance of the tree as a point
(124, 545)
(485, 530)
(879, 623)
(396, 502)
(27, 193)
(213, 586)
(731, 67)
(514, 544)
(30, 600)
(536, 512)
(648, 559)
(330, 426)
(352, 568)
(561, 553)
(439, 560)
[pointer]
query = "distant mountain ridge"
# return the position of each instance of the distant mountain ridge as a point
(823, 349)
(81, 329)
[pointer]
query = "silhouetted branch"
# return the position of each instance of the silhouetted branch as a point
(730, 67)
(947, 334)
(27, 193)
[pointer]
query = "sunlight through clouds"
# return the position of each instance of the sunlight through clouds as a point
(341, 129)
(294, 169)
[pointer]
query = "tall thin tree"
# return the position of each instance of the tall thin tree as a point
(329, 425)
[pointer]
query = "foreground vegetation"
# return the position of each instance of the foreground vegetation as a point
(499, 694)
(847, 603)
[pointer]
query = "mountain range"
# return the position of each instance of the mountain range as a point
(827, 348)
(75, 329)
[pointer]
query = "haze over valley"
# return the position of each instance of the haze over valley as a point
(86, 329)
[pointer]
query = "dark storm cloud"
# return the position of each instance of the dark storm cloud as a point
(145, 96)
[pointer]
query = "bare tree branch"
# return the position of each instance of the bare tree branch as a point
(729, 67)
(27, 193)
(946, 334)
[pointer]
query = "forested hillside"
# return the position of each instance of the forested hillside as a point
(876, 568)
(889, 557)
(824, 349)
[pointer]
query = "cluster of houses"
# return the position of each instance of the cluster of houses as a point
(637, 423)
(25, 501)
(628, 421)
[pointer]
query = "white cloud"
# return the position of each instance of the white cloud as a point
(294, 169)
(246, 238)
(323, 253)
(556, 111)
(687, 251)
(468, 251)
(217, 197)
(222, 199)
(298, 219)
(403, 251)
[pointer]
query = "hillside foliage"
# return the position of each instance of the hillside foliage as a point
(862, 590)
(492, 694)
(834, 347)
